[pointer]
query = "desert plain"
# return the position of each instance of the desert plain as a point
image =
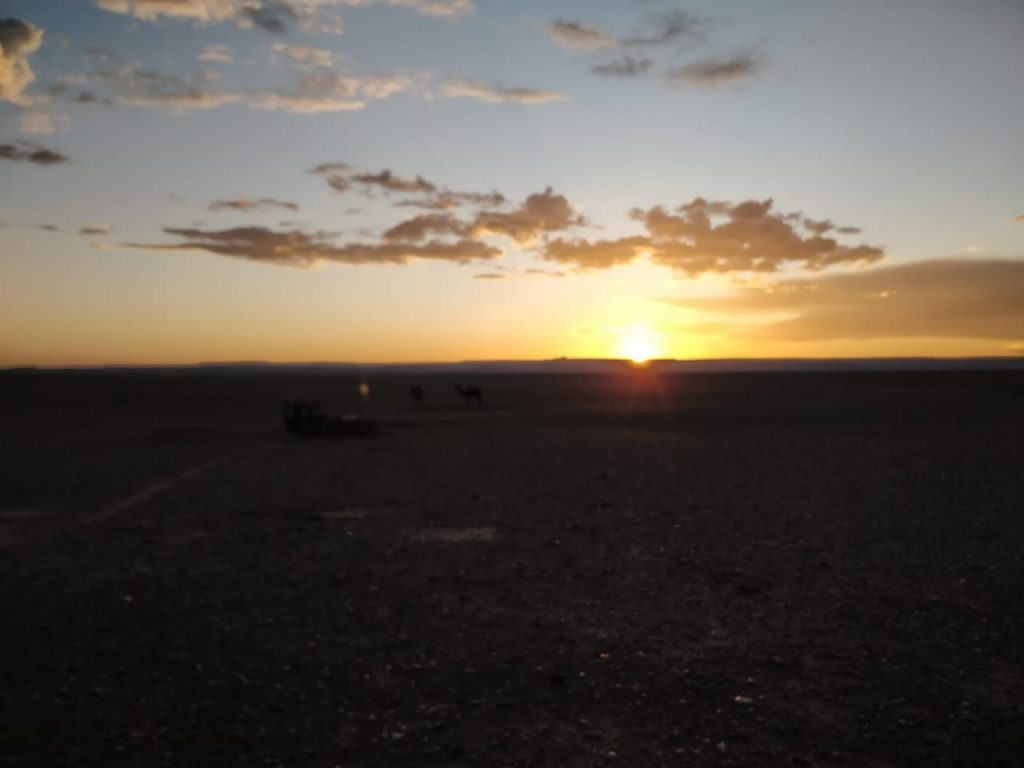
(630, 569)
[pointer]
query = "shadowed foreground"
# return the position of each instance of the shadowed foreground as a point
(763, 570)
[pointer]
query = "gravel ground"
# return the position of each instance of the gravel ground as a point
(757, 570)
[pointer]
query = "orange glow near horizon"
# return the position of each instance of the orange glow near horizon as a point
(638, 343)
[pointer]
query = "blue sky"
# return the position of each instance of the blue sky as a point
(899, 120)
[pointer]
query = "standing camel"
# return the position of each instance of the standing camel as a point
(471, 394)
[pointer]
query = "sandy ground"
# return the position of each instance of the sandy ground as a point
(776, 570)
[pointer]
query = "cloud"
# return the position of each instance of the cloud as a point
(206, 11)
(38, 123)
(540, 214)
(274, 16)
(91, 97)
(319, 92)
(341, 177)
(48, 227)
(418, 227)
(219, 54)
(601, 254)
(949, 298)
(490, 276)
(305, 249)
(28, 152)
(389, 182)
(713, 72)
(305, 105)
(268, 15)
(304, 56)
(668, 28)
(138, 87)
(248, 205)
(332, 168)
(544, 272)
(577, 37)
(336, 175)
(717, 236)
(625, 66)
(660, 41)
(95, 229)
(1018, 219)
(333, 92)
(424, 7)
(445, 200)
(18, 41)
(315, 94)
(818, 227)
(471, 89)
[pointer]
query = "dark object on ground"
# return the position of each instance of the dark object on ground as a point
(416, 392)
(305, 418)
(471, 394)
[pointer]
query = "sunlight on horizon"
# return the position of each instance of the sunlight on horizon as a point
(639, 344)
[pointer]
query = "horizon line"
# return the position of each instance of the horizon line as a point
(617, 361)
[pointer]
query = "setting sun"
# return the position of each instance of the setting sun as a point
(639, 344)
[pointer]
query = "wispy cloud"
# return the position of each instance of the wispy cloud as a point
(713, 72)
(669, 28)
(135, 86)
(29, 152)
(274, 16)
(336, 175)
(297, 248)
(333, 92)
(624, 66)
(217, 54)
(472, 89)
(578, 37)
(652, 50)
(389, 182)
(95, 229)
(251, 205)
(304, 56)
(438, 8)
(40, 122)
(268, 15)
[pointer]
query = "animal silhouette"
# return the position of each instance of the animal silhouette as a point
(471, 394)
(416, 393)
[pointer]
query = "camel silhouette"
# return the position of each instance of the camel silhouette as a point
(471, 394)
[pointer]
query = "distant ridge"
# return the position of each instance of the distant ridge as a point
(563, 366)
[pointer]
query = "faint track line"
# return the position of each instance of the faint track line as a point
(159, 487)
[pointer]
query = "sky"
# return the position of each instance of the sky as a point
(442, 180)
